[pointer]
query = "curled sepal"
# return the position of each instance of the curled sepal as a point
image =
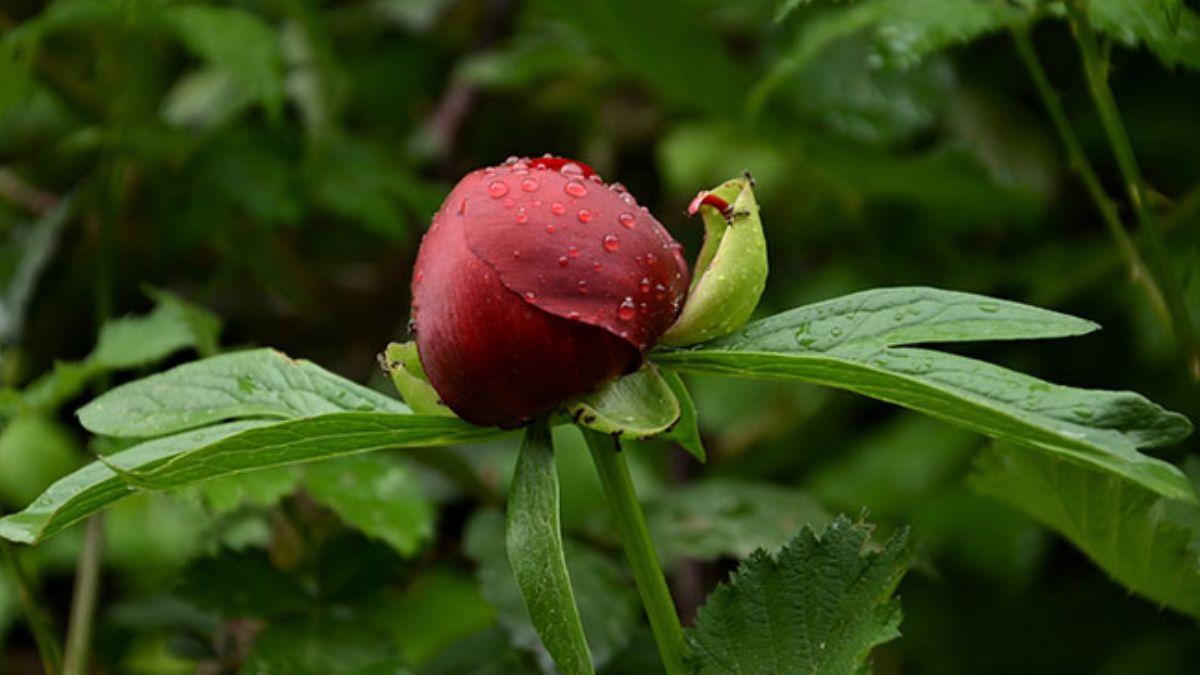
(731, 270)
(403, 365)
(640, 405)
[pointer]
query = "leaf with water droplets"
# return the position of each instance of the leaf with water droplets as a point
(854, 343)
(260, 383)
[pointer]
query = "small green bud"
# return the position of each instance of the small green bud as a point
(403, 365)
(731, 270)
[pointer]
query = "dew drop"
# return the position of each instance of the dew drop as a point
(418, 276)
(571, 169)
(551, 229)
(512, 159)
(521, 216)
(989, 307)
(582, 286)
(584, 215)
(627, 219)
(573, 251)
(836, 332)
(597, 266)
(531, 296)
(628, 198)
(573, 315)
(627, 309)
(516, 254)
(557, 208)
(575, 188)
(611, 243)
(529, 184)
(644, 285)
(651, 259)
(563, 261)
(497, 189)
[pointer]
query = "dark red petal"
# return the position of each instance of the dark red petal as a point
(576, 248)
(494, 358)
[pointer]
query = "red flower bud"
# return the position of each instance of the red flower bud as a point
(537, 282)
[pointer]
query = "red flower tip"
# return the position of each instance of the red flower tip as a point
(706, 198)
(537, 282)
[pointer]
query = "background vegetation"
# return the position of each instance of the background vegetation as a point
(182, 178)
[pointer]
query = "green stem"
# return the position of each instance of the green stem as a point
(1096, 69)
(631, 525)
(1078, 161)
(38, 620)
(83, 601)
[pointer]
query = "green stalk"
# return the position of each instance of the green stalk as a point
(1096, 68)
(83, 601)
(35, 616)
(1078, 161)
(647, 572)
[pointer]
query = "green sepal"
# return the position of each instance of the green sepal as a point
(731, 270)
(403, 365)
(639, 405)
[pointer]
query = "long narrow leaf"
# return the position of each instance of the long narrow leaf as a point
(535, 553)
(194, 456)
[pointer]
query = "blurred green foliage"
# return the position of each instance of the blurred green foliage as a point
(276, 161)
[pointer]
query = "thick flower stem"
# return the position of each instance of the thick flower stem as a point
(631, 525)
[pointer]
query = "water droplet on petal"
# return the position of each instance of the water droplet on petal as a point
(611, 243)
(573, 251)
(512, 159)
(563, 261)
(651, 259)
(418, 276)
(584, 215)
(628, 198)
(597, 266)
(581, 285)
(627, 219)
(573, 315)
(557, 208)
(529, 184)
(627, 309)
(571, 169)
(531, 296)
(551, 229)
(644, 285)
(575, 188)
(497, 189)
(521, 216)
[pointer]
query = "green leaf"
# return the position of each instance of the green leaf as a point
(904, 32)
(402, 364)
(261, 488)
(607, 604)
(817, 606)
(724, 517)
(376, 495)
(140, 340)
(1169, 29)
(640, 404)
(686, 431)
(851, 343)
(252, 384)
(194, 456)
(535, 553)
(1146, 542)
(238, 43)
